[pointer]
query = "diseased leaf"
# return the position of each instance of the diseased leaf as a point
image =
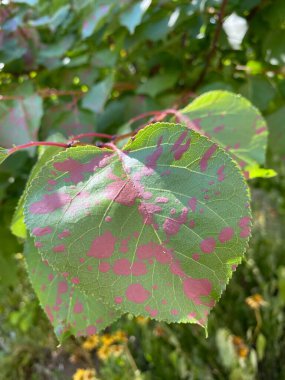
(235, 124)
(157, 228)
(69, 310)
(3, 154)
(18, 227)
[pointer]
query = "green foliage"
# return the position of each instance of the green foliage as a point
(91, 66)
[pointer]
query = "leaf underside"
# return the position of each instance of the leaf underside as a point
(155, 229)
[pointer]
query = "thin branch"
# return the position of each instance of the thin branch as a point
(214, 45)
(36, 143)
(92, 134)
(11, 97)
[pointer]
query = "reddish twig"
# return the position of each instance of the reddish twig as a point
(36, 143)
(158, 116)
(92, 134)
(11, 97)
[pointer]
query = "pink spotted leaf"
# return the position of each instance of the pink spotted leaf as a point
(234, 124)
(69, 310)
(155, 229)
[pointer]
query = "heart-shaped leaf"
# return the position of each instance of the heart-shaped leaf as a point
(69, 310)
(155, 229)
(236, 125)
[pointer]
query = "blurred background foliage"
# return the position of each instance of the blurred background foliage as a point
(88, 65)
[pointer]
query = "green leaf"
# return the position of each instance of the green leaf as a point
(20, 119)
(18, 227)
(157, 228)
(28, 2)
(276, 123)
(54, 21)
(133, 16)
(155, 85)
(234, 123)
(69, 310)
(3, 154)
(96, 98)
(259, 91)
(94, 18)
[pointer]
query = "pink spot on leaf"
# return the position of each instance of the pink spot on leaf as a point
(104, 267)
(40, 231)
(103, 246)
(208, 245)
(151, 160)
(206, 157)
(59, 248)
(226, 234)
(50, 203)
(192, 203)
(195, 288)
(137, 293)
(178, 148)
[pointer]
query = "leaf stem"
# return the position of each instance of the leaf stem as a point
(92, 134)
(36, 143)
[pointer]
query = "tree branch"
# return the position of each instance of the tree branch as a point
(214, 45)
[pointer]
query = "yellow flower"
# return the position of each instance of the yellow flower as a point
(84, 374)
(91, 342)
(241, 348)
(106, 351)
(120, 336)
(255, 301)
(103, 352)
(243, 351)
(107, 339)
(116, 350)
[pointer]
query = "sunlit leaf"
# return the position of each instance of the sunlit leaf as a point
(133, 16)
(232, 122)
(96, 98)
(155, 229)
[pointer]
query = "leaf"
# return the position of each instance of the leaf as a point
(259, 91)
(20, 120)
(18, 227)
(68, 122)
(69, 310)
(133, 16)
(3, 154)
(155, 85)
(54, 21)
(94, 18)
(234, 123)
(28, 2)
(276, 123)
(158, 227)
(96, 98)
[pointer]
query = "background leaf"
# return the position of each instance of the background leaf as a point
(234, 123)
